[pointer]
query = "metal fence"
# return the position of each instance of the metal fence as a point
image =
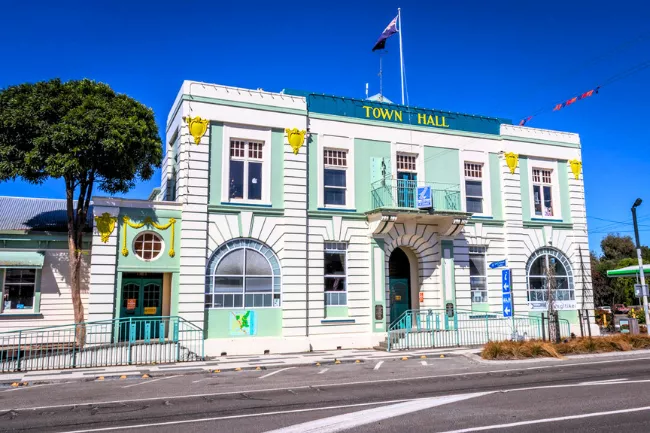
(125, 341)
(398, 193)
(423, 329)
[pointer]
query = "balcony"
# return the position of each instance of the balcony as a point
(396, 200)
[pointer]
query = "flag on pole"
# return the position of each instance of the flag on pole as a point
(390, 30)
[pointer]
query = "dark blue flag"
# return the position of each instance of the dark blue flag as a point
(387, 33)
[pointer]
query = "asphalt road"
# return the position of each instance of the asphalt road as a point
(416, 395)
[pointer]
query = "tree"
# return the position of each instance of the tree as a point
(617, 247)
(84, 133)
(603, 292)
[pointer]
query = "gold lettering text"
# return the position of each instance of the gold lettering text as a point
(376, 113)
(398, 116)
(422, 118)
(444, 125)
(430, 121)
(367, 110)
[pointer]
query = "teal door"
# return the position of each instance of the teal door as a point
(142, 303)
(406, 189)
(399, 297)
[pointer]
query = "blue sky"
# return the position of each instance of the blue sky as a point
(501, 58)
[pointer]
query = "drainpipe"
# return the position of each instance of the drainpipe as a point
(307, 183)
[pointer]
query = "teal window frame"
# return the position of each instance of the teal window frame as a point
(36, 305)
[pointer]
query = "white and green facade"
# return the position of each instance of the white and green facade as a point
(288, 245)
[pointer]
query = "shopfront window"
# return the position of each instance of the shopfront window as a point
(19, 289)
(543, 266)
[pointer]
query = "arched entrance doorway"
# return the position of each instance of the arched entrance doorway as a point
(399, 283)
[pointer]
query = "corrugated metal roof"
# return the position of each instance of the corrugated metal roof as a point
(35, 214)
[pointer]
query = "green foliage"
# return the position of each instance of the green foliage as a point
(79, 131)
(616, 247)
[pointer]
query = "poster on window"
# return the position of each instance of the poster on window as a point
(559, 305)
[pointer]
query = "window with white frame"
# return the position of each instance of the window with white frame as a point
(474, 187)
(335, 273)
(478, 273)
(406, 162)
(542, 191)
(18, 290)
(335, 177)
(245, 169)
(544, 264)
(243, 273)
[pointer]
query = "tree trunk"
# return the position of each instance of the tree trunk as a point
(75, 241)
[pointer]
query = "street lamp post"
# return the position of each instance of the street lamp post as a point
(636, 204)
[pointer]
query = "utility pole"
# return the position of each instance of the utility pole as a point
(636, 204)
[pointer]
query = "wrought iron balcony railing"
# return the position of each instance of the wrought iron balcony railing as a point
(391, 193)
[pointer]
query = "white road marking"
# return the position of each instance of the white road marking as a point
(355, 419)
(378, 365)
(202, 380)
(275, 372)
(606, 381)
(33, 386)
(151, 381)
(547, 420)
(423, 362)
(327, 385)
(323, 370)
(251, 415)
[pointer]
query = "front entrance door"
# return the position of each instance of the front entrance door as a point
(406, 189)
(399, 297)
(142, 302)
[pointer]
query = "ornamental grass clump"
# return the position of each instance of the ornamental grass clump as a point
(575, 346)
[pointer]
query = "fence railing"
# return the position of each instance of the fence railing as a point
(125, 341)
(399, 193)
(422, 329)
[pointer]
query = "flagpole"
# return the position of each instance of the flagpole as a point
(401, 55)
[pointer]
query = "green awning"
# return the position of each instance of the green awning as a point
(629, 271)
(20, 259)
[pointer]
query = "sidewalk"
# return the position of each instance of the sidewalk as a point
(226, 363)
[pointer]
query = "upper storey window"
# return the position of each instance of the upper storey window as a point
(335, 177)
(542, 192)
(246, 169)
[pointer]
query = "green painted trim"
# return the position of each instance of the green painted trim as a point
(228, 103)
(378, 244)
(448, 245)
(563, 176)
(118, 297)
(148, 270)
(570, 315)
(364, 152)
(236, 209)
(312, 148)
(486, 222)
(37, 292)
(555, 225)
(539, 141)
(524, 184)
(175, 294)
(401, 126)
(495, 186)
(277, 167)
(480, 307)
(323, 214)
(336, 311)
(214, 176)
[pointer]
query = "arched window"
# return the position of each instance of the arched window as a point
(538, 277)
(243, 273)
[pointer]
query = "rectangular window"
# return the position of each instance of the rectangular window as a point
(406, 162)
(542, 192)
(246, 169)
(335, 273)
(335, 177)
(19, 289)
(478, 274)
(474, 187)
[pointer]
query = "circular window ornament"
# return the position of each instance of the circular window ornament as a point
(148, 246)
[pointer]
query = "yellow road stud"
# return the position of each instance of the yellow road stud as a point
(318, 364)
(442, 356)
(423, 357)
(357, 362)
(404, 358)
(258, 368)
(145, 376)
(238, 369)
(216, 371)
(15, 384)
(100, 378)
(122, 377)
(337, 361)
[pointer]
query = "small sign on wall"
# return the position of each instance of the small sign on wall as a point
(379, 312)
(131, 303)
(148, 311)
(421, 297)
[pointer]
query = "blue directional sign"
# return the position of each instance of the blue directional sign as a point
(424, 197)
(499, 264)
(506, 292)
